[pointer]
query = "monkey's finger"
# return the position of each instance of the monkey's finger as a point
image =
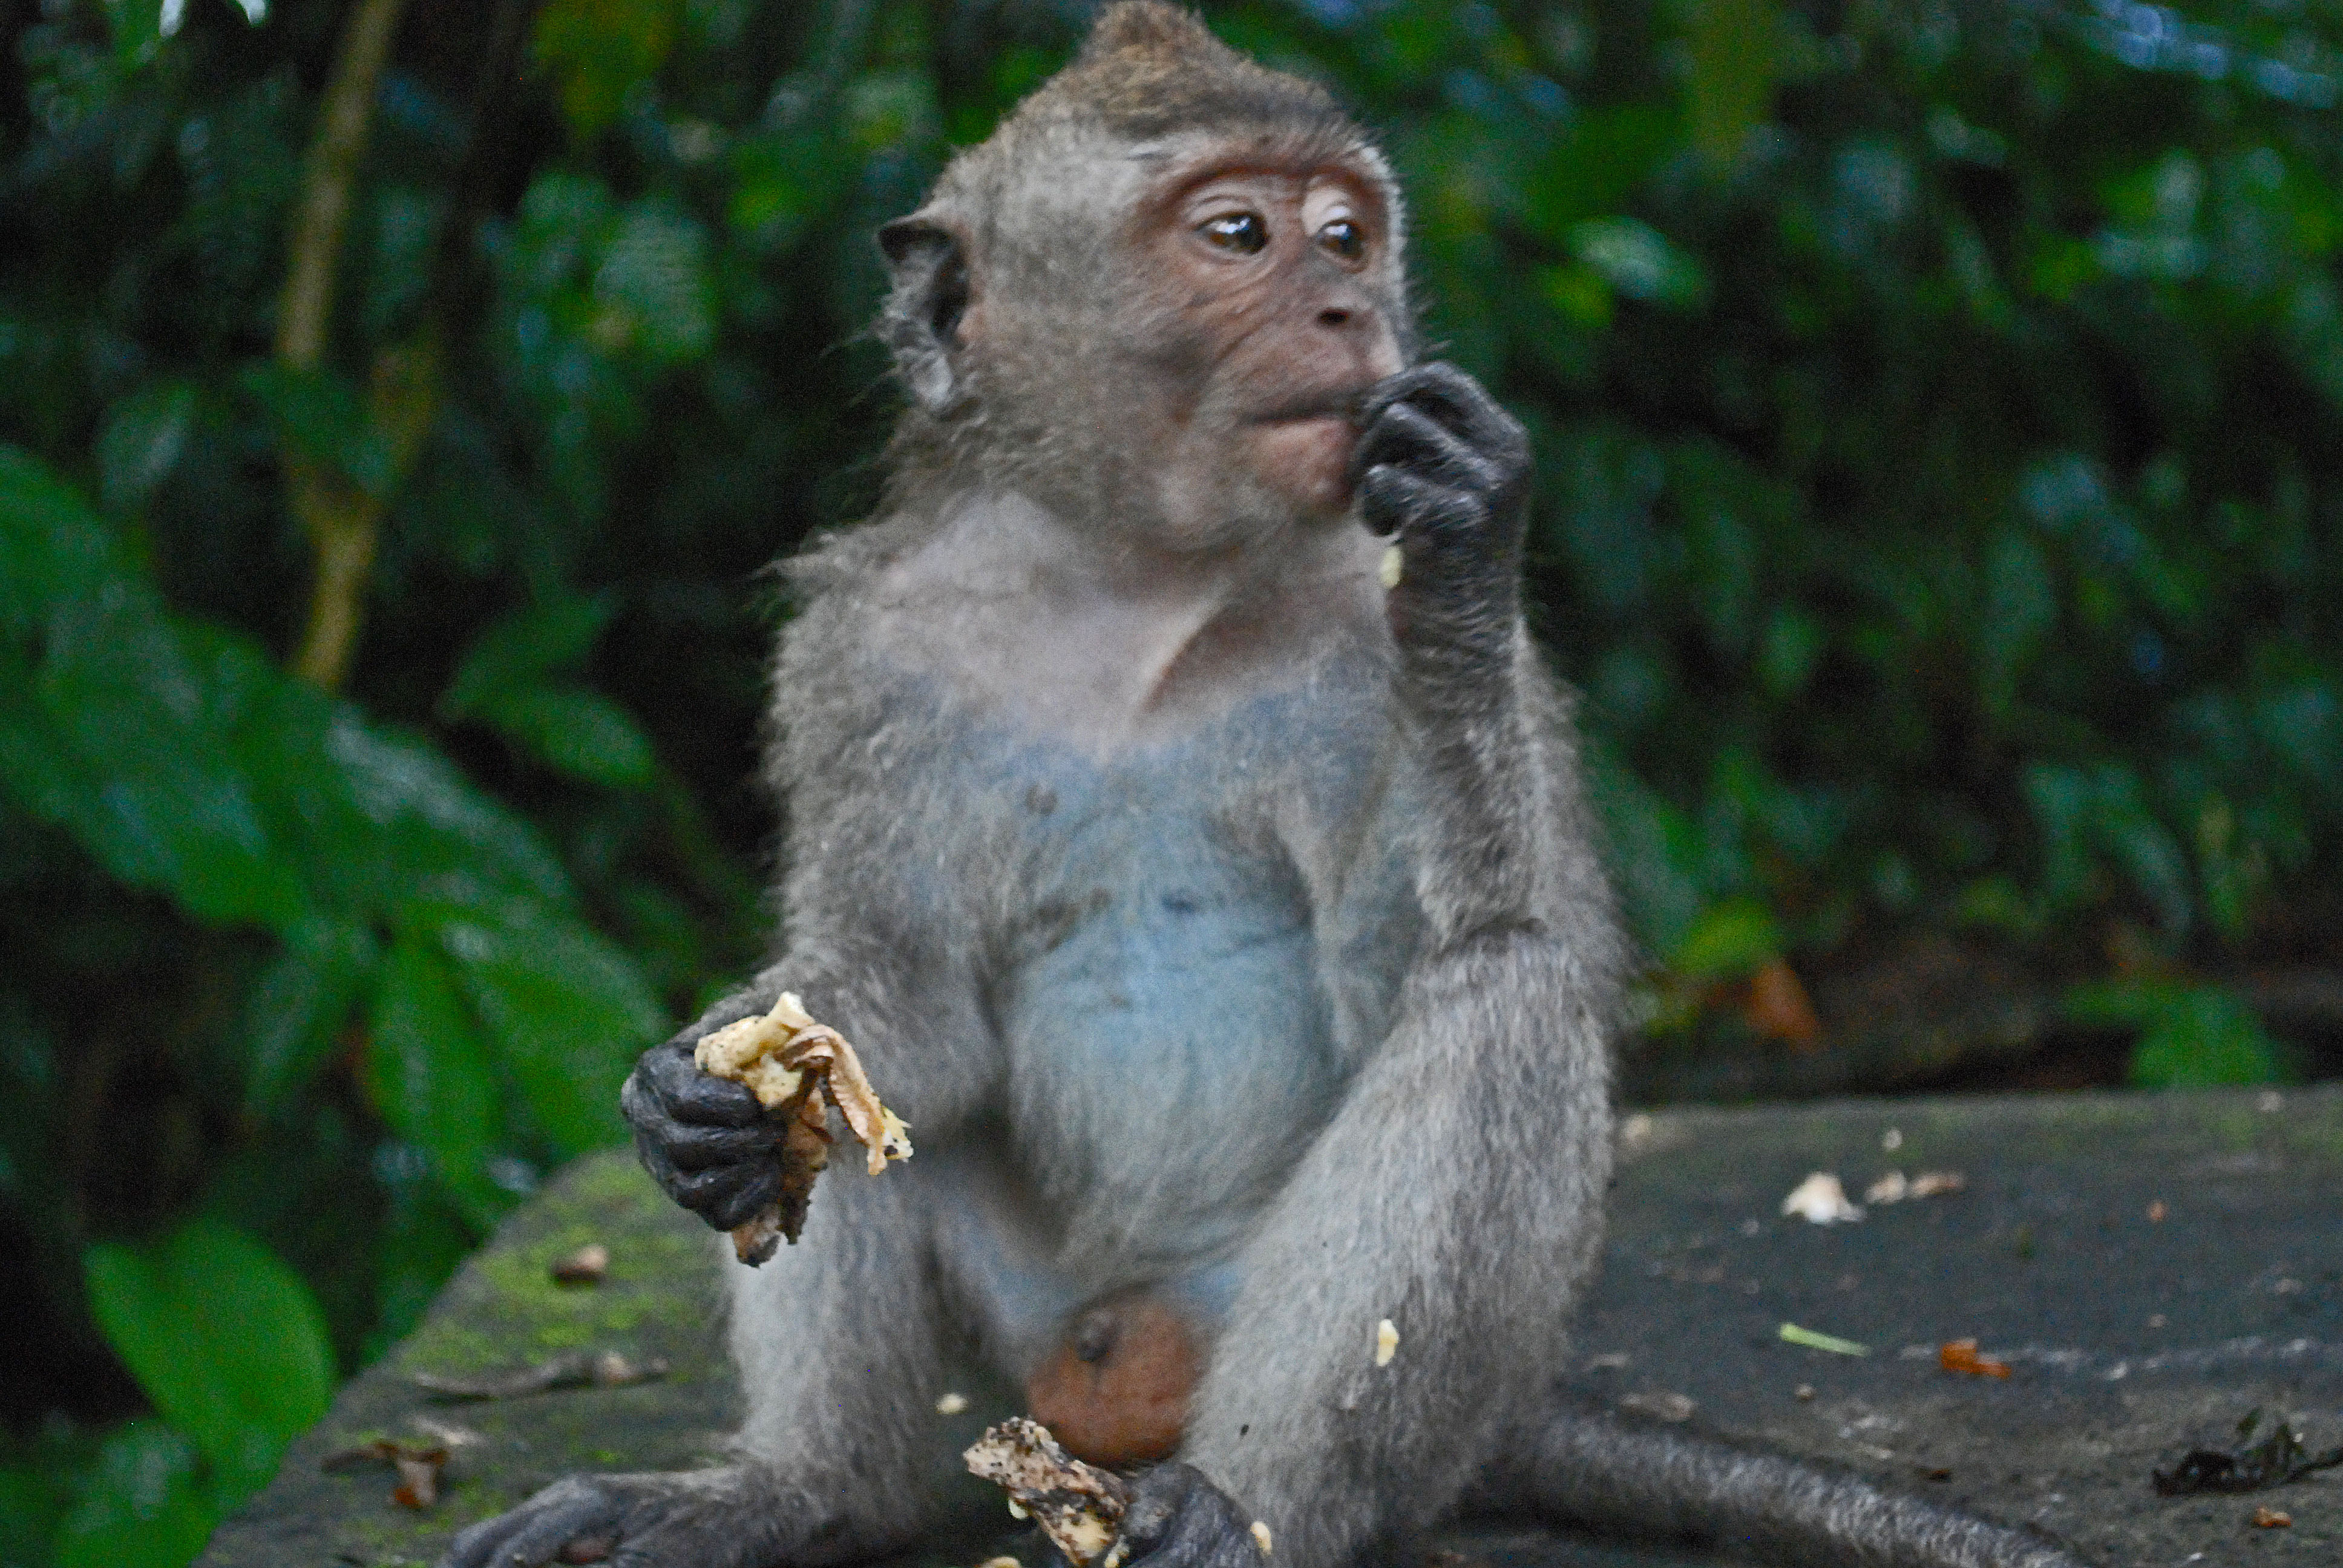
(1178, 1519)
(693, 1148)
(668, 1073)
(731, 1196)
(1392, 500)
(534, 1533)
(1457, 401)
(1402, 434)
(723, 1195)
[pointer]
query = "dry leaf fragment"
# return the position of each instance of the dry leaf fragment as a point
(418, 1468)
(579, 1369)
(801, 1069)
(2272, 1518)
(1961, 1356)
(588, 1265)
(1820, 1200)
(1078, 1506)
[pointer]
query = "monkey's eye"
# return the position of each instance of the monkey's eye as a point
(1242, 232)
(1345, 239)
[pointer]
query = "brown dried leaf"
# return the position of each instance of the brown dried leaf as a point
(1961, 1356)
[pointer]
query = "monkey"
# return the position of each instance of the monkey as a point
(1220, 905)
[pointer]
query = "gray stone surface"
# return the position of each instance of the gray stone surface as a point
(2125, 1335)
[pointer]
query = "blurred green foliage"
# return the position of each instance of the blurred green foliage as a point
(1936, 403)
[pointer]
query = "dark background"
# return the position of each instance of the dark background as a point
(1936, 412)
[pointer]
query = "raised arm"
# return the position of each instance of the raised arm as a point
(1458, 1190)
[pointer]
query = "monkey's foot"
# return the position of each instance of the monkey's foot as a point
(703, 1519)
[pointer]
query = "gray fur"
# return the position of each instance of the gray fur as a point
(1222, 924)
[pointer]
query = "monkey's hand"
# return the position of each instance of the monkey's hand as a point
(705, 1140)
(699, 1519)
(1177, 1519)
(1443, 468)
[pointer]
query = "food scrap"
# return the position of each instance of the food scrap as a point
(1386, 1343)
(588, 1265)
(2270, 1519)
(1660, 1405)
(418, 1468)
(800, 1069)
(1961, 1356)
(1819, 1342)
(1820, 1200)
(952, 1404)
(2249, 1466)
(1078, 1506)
(1895, 1187)
(1261, 1536)
(579, 1369)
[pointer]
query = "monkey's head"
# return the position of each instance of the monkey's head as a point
(1152, 298)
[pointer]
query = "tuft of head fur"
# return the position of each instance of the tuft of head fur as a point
(1149, 69)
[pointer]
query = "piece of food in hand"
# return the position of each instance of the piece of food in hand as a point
(799, 1069)
(1078, 1506)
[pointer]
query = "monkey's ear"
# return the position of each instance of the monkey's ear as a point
(921, 319)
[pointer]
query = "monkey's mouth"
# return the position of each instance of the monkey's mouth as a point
(1340, 407)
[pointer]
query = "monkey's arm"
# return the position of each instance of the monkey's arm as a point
(1457, 1193)
(911, 1013)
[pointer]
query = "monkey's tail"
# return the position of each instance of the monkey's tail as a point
(1592, 1466)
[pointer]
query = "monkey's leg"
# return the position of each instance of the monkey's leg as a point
(1458, 1194)
(1591, 1466)
(839, 1341)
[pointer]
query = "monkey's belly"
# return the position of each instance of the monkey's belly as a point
(1171, 1054)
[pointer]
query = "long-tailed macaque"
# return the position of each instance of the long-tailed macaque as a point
(1216, 901)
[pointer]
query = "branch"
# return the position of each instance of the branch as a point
(343, 522)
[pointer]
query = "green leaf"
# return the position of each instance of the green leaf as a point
(141, 1507)
(224, 1338)
(1736, 58)
(144, 435)
(1728, 940)
(1638, 261)
(430, 1076)
(524, 648)
(2207, 1036)
(599, 50)
(569, 1010)
(320, 418)
(2191, 1035)
(654, 287)
(575, 731)
(297, 1009)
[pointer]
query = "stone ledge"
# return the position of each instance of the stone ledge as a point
(2049, 1258)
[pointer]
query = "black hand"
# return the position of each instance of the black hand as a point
(705, 1140)
(1177, 1519)
(1442, 467)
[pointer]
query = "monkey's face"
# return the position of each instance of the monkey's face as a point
(1269, 302)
